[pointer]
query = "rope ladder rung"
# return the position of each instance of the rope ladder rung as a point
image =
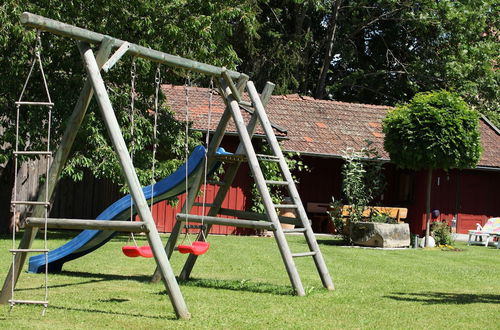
(30, 250)
(47, 204)
(32, 302)
(47, 104)
(47, 153)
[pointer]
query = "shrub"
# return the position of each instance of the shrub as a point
(363, 180)
(442, 233)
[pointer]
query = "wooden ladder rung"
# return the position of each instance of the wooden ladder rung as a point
(246, 103)
(231, 158)
(279, 183)
(269, 158)
(242, 223)
(304, 254)
(294, 230)
(285, 206)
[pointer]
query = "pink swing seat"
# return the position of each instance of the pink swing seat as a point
(137, 251)
(197, 248)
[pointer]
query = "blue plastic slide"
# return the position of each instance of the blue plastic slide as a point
(90, 240)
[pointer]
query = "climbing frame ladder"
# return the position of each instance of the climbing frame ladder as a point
(43, 200)
(231, 94)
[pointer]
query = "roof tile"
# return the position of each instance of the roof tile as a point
(314, 126)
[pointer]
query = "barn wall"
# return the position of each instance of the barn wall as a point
(467, 195)
(85, 199)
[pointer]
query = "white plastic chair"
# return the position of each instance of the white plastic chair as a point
(490, 229)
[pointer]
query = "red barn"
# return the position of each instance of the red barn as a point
(320, 130)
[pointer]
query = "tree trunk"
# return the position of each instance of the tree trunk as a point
(6, 184)
(327, 59)
(428, 207)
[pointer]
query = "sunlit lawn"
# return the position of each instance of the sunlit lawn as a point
(242, 283)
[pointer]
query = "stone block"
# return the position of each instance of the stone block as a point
(377, 234)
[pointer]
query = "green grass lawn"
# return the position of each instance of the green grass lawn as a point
(242, 283)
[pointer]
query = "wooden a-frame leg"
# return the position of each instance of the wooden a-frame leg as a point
(176, 231)
(60, 158)
(212, 148)
(116, 137)
(229, 177)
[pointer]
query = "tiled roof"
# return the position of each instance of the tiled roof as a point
(198, 108)
(317, 127)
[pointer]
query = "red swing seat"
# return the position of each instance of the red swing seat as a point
(137, 251)
(197, 248)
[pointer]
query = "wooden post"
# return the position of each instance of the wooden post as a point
(211, 150)
(60, 158)
(55, 223)
(428, 207)
(232, 170)
(134, 186)
(226, 222)
(67, 30)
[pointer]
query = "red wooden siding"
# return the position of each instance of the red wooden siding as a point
(237, 198)
(468, 195)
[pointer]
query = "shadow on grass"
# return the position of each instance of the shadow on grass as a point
(238, 285)
(432, 298)
(127, 314)
(97, 277)
(106, 277)
(332, 241)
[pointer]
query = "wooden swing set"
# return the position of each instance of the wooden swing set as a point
(232, 94)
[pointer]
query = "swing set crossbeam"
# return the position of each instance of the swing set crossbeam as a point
(80, 224)
(71, 31)
(226, 222)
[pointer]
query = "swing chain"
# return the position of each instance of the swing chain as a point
(131, 118)
(155, 126)
(132, 101)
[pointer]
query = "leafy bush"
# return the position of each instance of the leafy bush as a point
(341, 224)
(363, 180)
(436, 130)
(442, 233)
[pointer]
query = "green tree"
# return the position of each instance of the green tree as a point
(194, 29)
(379, 52)
(435, 130)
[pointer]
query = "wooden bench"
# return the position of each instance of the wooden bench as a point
(397, 213)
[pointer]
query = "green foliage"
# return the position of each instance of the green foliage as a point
(382, 51)
(341, 224)
(362, 179)
(436, 130)
(193, 29)
(380, 216)
(442, 233)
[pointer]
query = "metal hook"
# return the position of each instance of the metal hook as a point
(158, 75)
